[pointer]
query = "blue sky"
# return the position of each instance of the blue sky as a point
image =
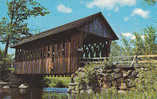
(124, 16)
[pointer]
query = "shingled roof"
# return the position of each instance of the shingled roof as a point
(66, 27)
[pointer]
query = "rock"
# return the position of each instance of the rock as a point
(122, 91)
(100, 70)
(117, 75)
(3, 83)
(105, 85)
(89, 91)
(22, 91)
(5, 87)
(69, 90)
(74, 92)
(82, 74)
(130, 84)
(81, 69)
(72, 88)
(134, 74)
(97, 67)
(109, 71)
(72, 84)
(125, 74)
(23, 86)
(117, 70)
(82, 91)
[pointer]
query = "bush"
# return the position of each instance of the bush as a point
(58, 82)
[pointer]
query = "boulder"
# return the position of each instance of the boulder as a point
(82, 91)
(81, 69)
(118, 75)
(23, 91)
(23, 86)
(109, 71)
(89, 91)
(122, 91)
(82, 74)
(117, 70)
(72, 84)
(5, 87)
(105, 85)
(3, 83)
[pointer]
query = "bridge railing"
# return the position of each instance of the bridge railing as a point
(127, 60)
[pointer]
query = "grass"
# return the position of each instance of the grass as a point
(59, 82)
(103, 95)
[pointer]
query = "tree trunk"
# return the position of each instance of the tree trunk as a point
(6, 47)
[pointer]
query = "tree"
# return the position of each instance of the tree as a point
(149, 40)
(115, 49)
(151, 2)
(15, 26)
(145, 45)
(138, 44)
(4, 72)
(126, 47)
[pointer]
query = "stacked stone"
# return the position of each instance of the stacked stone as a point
(108, 76)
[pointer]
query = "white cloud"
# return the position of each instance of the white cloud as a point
(131, 35)
(62, 8)
(110, 4)
(128, 35)
(140, 12)
(126, 19)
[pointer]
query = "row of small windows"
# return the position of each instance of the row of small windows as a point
(49, 51)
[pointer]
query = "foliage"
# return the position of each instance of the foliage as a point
(143, 44)
(15, 26)
(138, 43)
(4, 69)
(151, 2)
(91, 76)
(58, 82)
(147, 79)
(126, 47)
(145, 84)
(115, 49)
(103, 95)
(149, 40)
(47, 95)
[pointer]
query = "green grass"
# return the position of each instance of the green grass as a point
(103, 95)
(58, 82)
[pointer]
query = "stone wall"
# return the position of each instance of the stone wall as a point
(84, 80)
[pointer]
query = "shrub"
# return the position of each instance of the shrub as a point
(58, 82)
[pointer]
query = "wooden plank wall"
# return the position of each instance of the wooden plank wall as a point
(57, 58)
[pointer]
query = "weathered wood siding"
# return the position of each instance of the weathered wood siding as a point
(97, 27)
(58, 58)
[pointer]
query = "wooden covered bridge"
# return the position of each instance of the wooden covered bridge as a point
(59, 51)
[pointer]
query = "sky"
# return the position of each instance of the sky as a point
(124, 16)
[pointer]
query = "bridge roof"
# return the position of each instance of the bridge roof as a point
(66, 27)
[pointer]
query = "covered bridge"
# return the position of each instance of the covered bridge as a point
(59, 51)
